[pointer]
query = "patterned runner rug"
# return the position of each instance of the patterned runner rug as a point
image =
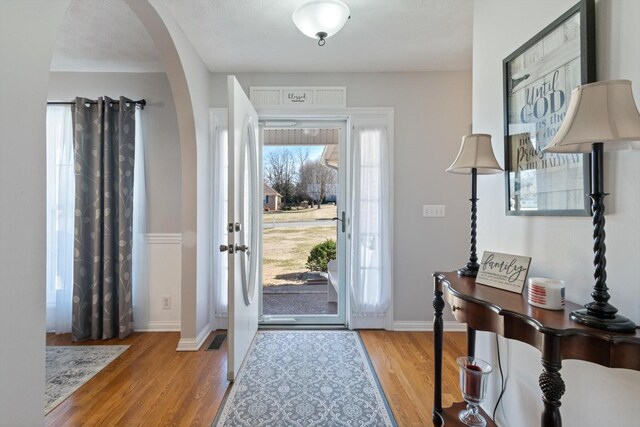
(68, 368)
(306, 378)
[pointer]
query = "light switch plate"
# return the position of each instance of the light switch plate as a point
(433, 211)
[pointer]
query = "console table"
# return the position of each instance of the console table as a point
(484, 308)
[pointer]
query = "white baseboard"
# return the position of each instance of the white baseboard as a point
(367, 322)
(191, 344)
(449, 326)
(160, 326)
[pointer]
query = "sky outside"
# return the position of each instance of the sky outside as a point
(315, 151)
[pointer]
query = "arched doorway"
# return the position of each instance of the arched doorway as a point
(27, 38)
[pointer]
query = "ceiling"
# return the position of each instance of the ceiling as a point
(259, 36)
(103, 35)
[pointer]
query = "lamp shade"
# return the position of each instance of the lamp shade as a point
(475, 152)
(321, 16)
(599, 112)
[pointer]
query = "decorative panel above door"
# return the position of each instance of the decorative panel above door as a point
(302, 97)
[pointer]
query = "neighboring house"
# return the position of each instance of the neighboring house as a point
(272, 199)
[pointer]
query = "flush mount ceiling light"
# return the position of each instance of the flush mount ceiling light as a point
(321, 19)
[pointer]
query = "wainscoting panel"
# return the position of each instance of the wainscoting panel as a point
(151, 313)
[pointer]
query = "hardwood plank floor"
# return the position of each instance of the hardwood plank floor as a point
(151, 384)
(403, 362)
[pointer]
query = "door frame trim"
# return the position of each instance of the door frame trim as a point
(351, 115)
(340, 318)
(348, 113)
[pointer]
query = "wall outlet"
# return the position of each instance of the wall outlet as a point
(432, 211)
(166, 302)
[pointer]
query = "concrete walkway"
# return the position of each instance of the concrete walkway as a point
(297, 299)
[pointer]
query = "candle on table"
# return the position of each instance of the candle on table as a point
(473, 381)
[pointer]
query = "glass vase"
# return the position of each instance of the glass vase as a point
(473, 384)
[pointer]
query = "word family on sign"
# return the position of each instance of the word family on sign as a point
(503, 271)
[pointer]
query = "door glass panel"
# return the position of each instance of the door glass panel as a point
(248, 211)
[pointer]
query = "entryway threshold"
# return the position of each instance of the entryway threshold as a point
(305, 327)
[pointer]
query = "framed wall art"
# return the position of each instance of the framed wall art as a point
(538, 80)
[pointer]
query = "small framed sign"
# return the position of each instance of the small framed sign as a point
(503, 271)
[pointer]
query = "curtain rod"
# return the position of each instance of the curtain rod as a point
(141, 102)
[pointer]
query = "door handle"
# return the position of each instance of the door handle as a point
(243, 248)
(238, 248)
(342, 220)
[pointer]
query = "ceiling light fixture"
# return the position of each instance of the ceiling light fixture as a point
(321, 19)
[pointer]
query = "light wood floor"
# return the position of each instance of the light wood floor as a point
(153, 385)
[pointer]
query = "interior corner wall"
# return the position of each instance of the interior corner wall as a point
(27, 34)
(432, 112)
(561, 246)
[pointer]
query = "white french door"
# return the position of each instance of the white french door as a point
(364, 247)
(244, 237)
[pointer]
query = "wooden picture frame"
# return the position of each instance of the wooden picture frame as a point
(537, 82)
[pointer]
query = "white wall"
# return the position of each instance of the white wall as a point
(432, 112)
(561, 247)
(27, 34)
(189, 80)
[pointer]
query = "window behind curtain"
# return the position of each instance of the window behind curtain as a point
(220, 263)
(370, 275)
(60, 217)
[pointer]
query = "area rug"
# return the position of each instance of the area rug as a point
(306, 378)
(68, 368)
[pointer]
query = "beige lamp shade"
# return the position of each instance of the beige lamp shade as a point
(475, 152)
(599, 112)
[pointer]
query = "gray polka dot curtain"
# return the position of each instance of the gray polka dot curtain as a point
(104, 141)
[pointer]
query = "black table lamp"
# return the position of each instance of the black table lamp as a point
(474, 158)
(600, 116)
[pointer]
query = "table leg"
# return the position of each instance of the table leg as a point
(471, 342)
(551, 382)
(438, 306)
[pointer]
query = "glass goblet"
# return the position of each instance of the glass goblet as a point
(473, 384)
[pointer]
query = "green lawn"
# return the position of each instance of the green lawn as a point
(285, 252)
(309, 214)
